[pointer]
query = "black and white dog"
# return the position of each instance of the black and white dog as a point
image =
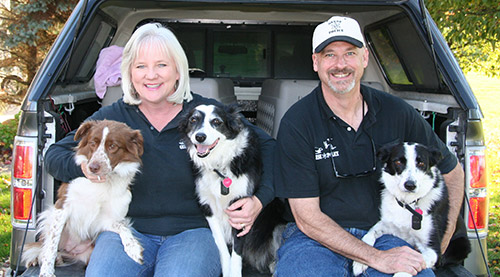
(414, 202)
(227, 166)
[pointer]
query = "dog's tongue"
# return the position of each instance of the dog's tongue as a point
(202, 149)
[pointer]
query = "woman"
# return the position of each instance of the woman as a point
(165, 214)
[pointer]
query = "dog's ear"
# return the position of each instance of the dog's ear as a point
(384, 153)
(234, 108)
(184, 122)
(234, 121)
(136, 142)
(83, 131)
(434, 156)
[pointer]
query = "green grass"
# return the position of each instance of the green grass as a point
(5, 226)
(487, 92)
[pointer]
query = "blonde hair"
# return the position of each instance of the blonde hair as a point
(155, 33)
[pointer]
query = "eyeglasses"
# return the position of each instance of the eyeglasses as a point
(360, 174)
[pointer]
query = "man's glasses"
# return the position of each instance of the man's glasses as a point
(360, 174)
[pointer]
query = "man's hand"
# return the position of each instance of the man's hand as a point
(242, 214)
(399, 259)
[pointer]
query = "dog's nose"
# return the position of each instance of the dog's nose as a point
(200, 137)
(94, 167)
(410, 185)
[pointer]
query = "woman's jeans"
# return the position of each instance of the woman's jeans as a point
(190, 253)
(300, 255)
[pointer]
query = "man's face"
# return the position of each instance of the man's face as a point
(341, 65)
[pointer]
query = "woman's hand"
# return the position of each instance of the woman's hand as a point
(242, 214)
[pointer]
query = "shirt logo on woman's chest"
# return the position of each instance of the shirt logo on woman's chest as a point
(326, 150)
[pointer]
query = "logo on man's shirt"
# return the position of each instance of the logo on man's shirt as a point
(325, 151)
(182, 146)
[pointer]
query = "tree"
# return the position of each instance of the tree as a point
(27, 30)
(472, 30)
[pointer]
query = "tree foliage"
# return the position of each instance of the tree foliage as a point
(27, 30)
(472, 30)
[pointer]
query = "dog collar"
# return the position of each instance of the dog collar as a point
(225, 183)
(416, 219)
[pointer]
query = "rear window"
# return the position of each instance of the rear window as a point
(403, 56)
(246, 53)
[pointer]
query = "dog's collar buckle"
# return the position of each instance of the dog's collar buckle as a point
(225, 183)
(416, 219)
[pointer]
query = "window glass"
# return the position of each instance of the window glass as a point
(193, 42)
(389, 60)
(240, 54)
(404, 55)
(101, 40)
(293, 55)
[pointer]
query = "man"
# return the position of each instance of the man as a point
(326, 164)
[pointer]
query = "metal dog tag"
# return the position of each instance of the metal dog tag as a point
(223, 189)
(416, 221)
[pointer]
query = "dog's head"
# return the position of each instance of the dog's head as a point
(409, 169)
(105, 145)
(207, 126)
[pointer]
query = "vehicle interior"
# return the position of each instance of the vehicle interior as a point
(257, 55)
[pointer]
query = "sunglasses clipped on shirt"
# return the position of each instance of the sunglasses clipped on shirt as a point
(360, 174)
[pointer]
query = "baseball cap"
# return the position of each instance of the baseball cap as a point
(337, 28)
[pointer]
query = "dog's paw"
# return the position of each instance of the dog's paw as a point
(46, 271)
(402, 274)
(430, 257)
(369, 238)
(134, 250)
(358, 268)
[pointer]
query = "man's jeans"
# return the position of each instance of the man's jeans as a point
(190, 253)
(300, 255)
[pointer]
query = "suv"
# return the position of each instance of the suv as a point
(256, 52)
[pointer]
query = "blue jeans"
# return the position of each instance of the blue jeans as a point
(190, 253)
(300, 255)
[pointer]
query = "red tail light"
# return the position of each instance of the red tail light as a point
(477, 188)
(478, 206)
(22, 203)
(23, 179)
(23, 162)
(477, 171)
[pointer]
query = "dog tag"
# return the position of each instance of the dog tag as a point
(223, 189)
(416, 221)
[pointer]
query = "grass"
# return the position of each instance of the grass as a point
(5, 226)
(487, 92)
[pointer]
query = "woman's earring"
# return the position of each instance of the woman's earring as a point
(176, 85)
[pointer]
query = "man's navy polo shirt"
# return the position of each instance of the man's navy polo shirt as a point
(314, 147)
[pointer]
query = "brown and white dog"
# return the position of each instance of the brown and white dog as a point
(84, 208)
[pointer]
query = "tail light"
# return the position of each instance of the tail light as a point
(23, 178)
(478, 197)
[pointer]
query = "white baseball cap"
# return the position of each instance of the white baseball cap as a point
(337, 28)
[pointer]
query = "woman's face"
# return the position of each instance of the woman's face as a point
(153, 74)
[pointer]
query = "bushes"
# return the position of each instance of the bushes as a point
(8, 131)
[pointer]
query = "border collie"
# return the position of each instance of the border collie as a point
(227, 165)
(414, 202)
(84, 209)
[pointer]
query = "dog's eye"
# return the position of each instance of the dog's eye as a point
(217, 122)
(398, 162)
(112, 147)
(193, 119)
(421, 165)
